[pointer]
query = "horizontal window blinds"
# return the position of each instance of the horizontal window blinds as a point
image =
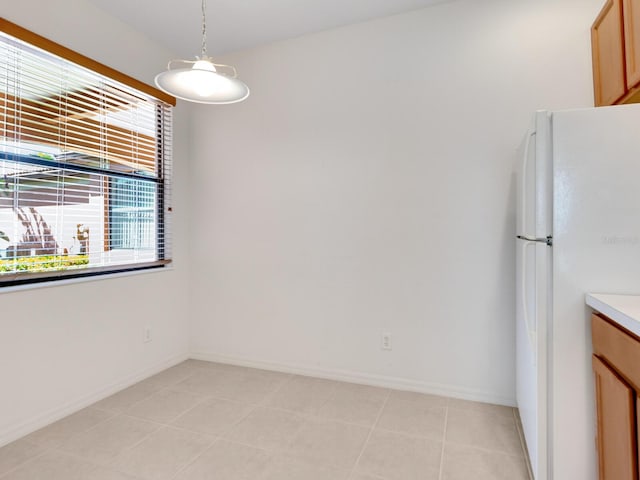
(85, 170)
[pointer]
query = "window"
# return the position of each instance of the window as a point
(85, 165)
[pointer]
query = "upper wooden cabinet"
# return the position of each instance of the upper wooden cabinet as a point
(607, 43)
(631, 26)
(615, 41)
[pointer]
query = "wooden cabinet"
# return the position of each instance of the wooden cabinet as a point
(616, 420)
(617, 383)
(607, 44)
(615, 42)
(631, 27)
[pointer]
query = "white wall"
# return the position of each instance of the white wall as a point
(65, 346)
(366, 186)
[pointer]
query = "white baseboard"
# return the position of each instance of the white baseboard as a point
(14, 432)
(396, 383)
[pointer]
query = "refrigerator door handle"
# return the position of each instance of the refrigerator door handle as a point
(546, 240)
(531, 330)
(523, 188)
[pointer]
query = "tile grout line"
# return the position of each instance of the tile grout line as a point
(131, 447)
(217, 439)
(122, 413)
(372, 429)
(114, 414)
(90, 461)
(221, 437)
(195, 459)
(22, 464)
(303, 416)
(265, 401)
(111, 412)
(333, 394)
(56, 448)
(205, 399)
(254, 406)
(110, 464)
(444, 438)
(160, 426)
(73, 435)
(485, 450)
(154, 392)
(215, 396)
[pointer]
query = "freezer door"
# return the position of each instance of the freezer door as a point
(534, 199)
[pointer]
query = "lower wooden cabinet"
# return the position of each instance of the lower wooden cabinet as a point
(617, 452)
(616, 369)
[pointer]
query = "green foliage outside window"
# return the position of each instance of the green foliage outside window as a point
(43, 263)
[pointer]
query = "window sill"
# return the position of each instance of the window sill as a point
(89, 278)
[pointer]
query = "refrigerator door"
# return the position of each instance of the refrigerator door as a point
(526, 355)
(596, 162)
(532, 286)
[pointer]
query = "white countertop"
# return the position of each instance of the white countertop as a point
(622, 309)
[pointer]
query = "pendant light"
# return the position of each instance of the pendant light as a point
(201, 80)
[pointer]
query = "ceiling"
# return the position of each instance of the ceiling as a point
(239, 24)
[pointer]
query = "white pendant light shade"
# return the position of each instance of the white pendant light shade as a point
(202, 83)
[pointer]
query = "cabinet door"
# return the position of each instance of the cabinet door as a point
(617, 446)
(631, 15)
(609, 83)
(638, 431)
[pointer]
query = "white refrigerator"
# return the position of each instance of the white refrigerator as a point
(578, 231)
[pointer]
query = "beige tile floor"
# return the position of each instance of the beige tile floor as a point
(208, 421)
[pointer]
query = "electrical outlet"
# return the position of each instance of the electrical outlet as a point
(147, 335)
(386, 341)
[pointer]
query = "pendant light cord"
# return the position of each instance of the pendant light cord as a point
(204, 29)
